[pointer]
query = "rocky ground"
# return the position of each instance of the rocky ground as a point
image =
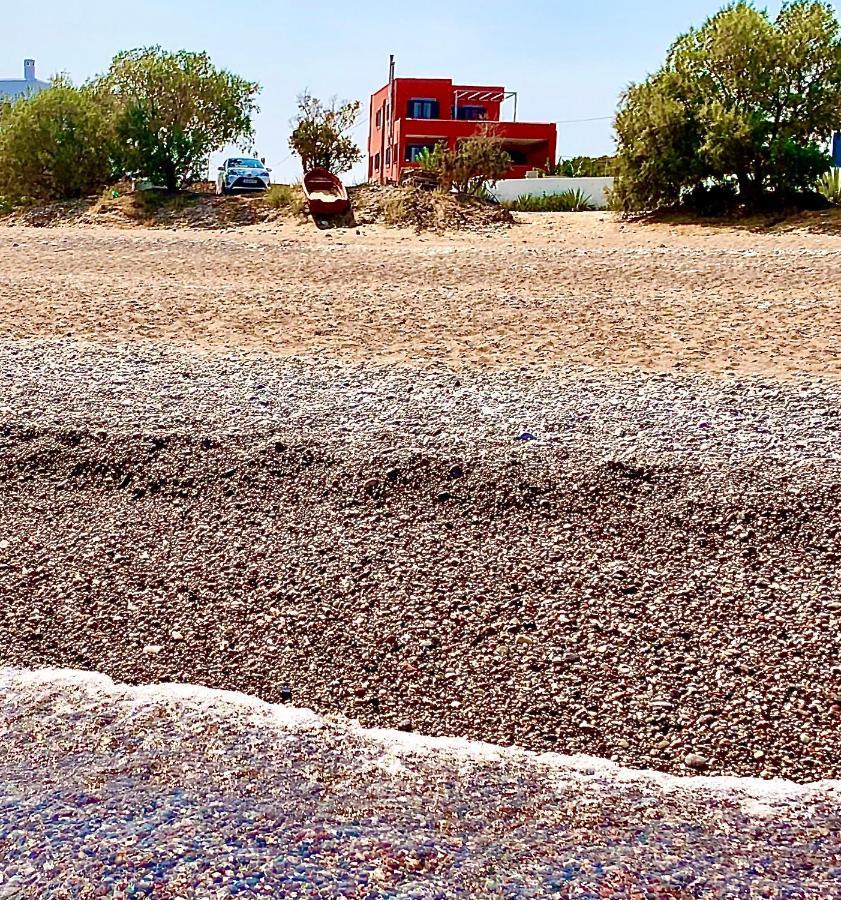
(190, 794)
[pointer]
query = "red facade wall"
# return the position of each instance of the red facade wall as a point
(394, 133)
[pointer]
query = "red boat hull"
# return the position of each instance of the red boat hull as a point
(325, 193)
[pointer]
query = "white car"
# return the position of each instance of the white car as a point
(241, 173)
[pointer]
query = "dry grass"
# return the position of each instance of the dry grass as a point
(148, 209)
(147, 206)
(425, 210)
(288, 198)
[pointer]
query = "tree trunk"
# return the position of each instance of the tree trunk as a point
(749, 190)
(170, 177)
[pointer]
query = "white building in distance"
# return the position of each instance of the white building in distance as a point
(11, 88)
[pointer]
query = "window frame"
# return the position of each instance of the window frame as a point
(480, 118)
(434, 104)
(429, 145)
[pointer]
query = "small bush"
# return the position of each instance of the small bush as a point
(286, 197)
(321, 137)
(566, 201)
(830, 186)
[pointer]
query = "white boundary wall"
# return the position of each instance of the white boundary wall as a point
(511, 188)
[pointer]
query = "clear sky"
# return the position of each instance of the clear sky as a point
(567, 60)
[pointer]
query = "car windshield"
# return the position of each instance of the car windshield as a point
(245, 164)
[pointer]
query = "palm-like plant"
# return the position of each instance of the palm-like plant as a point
(829, 184)
(565, 201)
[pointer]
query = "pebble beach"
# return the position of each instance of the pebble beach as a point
(381, 565)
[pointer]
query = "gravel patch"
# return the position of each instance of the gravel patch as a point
(641, 567)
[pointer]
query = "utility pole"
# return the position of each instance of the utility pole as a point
(390, 110)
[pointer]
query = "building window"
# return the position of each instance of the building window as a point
(518, 158)
(388, 156)
(423, 109)
(380, 118)
(377, 163)
(413, 151)
(470, 113)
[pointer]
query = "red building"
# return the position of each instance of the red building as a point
(408, 114)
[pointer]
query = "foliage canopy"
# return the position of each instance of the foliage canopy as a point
(172, 110)
(744, 100)
(584, 167)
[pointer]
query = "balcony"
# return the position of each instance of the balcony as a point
(528, 132)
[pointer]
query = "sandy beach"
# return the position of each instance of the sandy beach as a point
(579, 289)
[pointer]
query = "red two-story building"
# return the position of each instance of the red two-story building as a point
(408, 114)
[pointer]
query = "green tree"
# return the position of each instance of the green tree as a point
(475, 163)
(320, 134)
(172, 110)
(55, 145)
(743, 100)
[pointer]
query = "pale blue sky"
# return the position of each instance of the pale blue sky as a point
(567, 60)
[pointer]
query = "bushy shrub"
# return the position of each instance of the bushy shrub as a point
(471, 167)
(320, 137)
(55, 145)
(712, 200)
(565, 201)
(743, 99)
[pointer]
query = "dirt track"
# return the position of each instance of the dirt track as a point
(208, 476)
